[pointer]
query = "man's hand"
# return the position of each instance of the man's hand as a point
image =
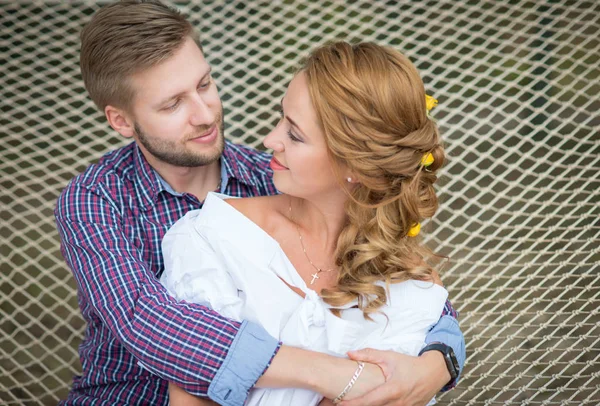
(409, 381)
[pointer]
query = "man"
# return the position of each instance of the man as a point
(143, 65)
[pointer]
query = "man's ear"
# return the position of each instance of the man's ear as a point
(120, 121)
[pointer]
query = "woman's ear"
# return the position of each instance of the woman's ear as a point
(120, 121)
(351, 177)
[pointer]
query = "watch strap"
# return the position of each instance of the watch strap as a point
(449, 358)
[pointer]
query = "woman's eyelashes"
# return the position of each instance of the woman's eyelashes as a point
(289, 132)
(293, 138)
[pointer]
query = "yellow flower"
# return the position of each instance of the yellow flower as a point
(427, 159)
(430, 103)
(414, 230)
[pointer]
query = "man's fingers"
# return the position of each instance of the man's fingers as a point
(372, 356)
(367, 355)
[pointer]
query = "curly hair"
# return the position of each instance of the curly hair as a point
(370, 103)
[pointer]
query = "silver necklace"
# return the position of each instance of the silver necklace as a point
(315, 275)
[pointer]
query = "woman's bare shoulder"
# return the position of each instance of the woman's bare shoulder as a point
(262, 210)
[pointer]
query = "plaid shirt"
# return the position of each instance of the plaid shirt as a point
(111, 220)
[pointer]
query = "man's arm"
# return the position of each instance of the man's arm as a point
(187, 344)
(298, 368)
(184, 343)
(447, 331)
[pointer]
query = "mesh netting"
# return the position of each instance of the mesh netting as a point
(518, 88)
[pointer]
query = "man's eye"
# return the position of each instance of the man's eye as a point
(173, 106)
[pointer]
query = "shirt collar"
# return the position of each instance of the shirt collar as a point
(233, 165)
(238, 165)
(148, 182)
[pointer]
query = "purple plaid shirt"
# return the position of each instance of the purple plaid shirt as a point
(111, 220)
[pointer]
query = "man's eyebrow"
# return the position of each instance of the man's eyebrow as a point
(168, 99)
(180, 94)
(206, 74)
(288, 118)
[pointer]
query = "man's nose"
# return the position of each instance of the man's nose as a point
(202, 113)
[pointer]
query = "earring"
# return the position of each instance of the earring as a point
(349, 180)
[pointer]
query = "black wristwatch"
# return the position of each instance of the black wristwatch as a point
(449, 357)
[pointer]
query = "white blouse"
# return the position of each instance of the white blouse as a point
(218, 257)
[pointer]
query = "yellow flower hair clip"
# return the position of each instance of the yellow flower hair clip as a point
(427, 160)
(414, 230)
(430, 103)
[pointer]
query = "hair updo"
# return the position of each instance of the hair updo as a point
(370, 103)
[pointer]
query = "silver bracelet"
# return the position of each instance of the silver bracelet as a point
(357, 373)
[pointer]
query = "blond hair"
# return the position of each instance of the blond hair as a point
(124, 38)
(370, 103)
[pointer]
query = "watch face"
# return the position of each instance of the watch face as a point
(454, 361)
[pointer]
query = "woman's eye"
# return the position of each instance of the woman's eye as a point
(293, 137)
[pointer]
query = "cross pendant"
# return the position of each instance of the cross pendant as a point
(314, 276)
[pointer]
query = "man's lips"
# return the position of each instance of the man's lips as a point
(208, 136)
(276, 165)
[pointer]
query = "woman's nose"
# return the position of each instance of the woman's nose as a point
(273, 140)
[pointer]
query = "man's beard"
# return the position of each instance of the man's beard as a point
(175, 153)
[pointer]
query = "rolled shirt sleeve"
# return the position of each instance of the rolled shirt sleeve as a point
(447, 331)
(242, 367)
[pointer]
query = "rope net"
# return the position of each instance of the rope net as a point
(518, 88)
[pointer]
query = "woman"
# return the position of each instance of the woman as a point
(331, 264)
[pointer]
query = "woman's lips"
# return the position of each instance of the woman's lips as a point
(276, 165)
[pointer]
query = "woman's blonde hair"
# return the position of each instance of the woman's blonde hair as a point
(370, 102)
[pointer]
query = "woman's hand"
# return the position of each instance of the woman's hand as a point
(371, 378)
(409, 380)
